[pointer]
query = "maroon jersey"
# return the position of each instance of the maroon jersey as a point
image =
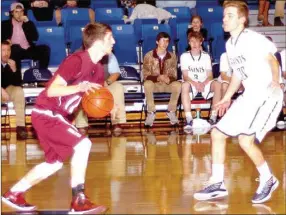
(76, 68)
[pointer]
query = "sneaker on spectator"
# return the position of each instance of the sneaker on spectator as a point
(213, 190)
(17, 201)
(265, 190)
(173, 118)
(150, 119)
(82, 205)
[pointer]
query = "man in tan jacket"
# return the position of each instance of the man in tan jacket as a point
(160, 75)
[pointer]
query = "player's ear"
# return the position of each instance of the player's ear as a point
(242, 20)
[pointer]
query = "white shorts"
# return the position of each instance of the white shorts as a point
(207, 94)
(248, 115)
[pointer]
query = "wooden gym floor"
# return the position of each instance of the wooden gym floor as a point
(149, 172)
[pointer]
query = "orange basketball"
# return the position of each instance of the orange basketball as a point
(98, 104)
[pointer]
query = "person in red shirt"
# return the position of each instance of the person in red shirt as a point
(78, 74)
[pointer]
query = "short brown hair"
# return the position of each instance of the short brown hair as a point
(196, 35)
(242, 9)
(197, 17)
(162, 35)
(93, 32)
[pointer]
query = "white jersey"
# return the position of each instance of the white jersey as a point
(197, 66)
(251, 64)
(224, 66)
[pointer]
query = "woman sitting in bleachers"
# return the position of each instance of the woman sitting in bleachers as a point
(197, 26)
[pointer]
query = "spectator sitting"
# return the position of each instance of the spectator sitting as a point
(279, 12)
(160, 75)
(198, 78)
(75, 4)
(21, 33)
(197, 26)
(263, 12)
(43, 10)
(11, 89)
(147, 11)
(118, 114)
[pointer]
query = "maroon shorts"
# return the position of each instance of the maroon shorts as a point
(57, 135)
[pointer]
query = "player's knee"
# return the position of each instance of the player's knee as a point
(217, 135)
(148, 84)
(245, 141)
(83, 145)
(185, 87)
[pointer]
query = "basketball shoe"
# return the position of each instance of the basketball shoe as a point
(17, 201)
(82, 205)
(213, 190)
(265, 190)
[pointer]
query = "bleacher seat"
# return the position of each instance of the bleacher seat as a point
(126, 43)
(5, 10)
(109, 15)
(138, 25)
(74, 17)
(41, 23)
(149, 34)
(182, 37)
(74, 36)
(103, 4)
(210, 14)
(183, 14)
(54, 38)
(218, 44)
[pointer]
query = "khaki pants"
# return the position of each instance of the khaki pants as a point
(150, 87)
(279, 8)
(17, 97)
(118, 115)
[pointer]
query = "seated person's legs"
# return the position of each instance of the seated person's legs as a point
(16, 95)
(186, 101)
(175, 89)
(149, 88)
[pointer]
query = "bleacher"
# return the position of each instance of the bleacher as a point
(134, 40)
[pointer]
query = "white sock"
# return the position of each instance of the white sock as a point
(264, 171)
(21, 186)
(189, 116)
(218, 172)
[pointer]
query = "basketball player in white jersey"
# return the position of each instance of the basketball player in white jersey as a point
(225, 74)
(254, 113)
(198, 78)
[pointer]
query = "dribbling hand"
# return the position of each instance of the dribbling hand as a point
(87, 86)
(222, 106)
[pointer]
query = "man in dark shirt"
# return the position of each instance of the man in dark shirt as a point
(22, 34)
(11, 89)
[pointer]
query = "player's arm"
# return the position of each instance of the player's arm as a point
(234, 85)
(274, 64)
(187, 78)
(209, 78)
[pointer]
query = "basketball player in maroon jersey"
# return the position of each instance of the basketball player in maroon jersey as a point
(78, 74)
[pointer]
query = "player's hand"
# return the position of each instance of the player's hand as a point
(222, 106)
(5, 96)
(87, 86)
(12, 65)
(201, 87)
(161, 79)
